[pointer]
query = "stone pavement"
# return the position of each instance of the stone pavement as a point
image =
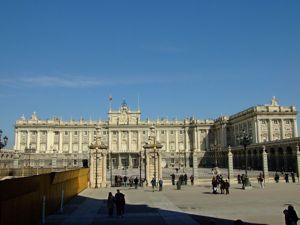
(190, 205)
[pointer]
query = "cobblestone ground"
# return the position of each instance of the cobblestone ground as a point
(190, 205)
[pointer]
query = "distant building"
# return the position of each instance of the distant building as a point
(125, 134)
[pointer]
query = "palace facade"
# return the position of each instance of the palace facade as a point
(125, 133)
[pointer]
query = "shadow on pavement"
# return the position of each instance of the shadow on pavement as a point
(78, 211)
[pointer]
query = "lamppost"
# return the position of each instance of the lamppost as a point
(153, 144)
(244, 139)
(98, 144)
(110, 168)
(5, 139)
(140, 164)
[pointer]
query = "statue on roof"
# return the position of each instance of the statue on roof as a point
(274, 101)
(124, 106)
(34, 116)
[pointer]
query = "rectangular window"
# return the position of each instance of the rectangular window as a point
(171, 132)
(66, 132)
(85, 133)
(162, 132)
(76, 133)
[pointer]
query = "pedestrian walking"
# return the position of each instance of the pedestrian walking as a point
(110, 204)
(160, 183)
(136, 182)
(293, 177)
(261, 180)
(120, 203)
(276, 177)
(192, 180)
(173, 178)
(226, 185)
(286, 177)
(239, 179)
(153, 183)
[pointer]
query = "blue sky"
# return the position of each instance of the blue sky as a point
(182, 58)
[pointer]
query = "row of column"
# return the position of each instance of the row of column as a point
(270, 129)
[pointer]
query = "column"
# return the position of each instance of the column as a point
(119, 140)
(282, 129)
(230, 165)
(70, 142)
(195, 167)
(206, 140)
(103, 170)
(295, 128)
(176, 141)
(285, 165)
(257, 130)
(298, 161)
(270, 130)
(17, 140)
(119, 161)
(186, 139)
(139, 140)
(129, 161)
(159, 172)
(60, 141)
(49, 140)
(109, 140)
(265, 164)
(28, 138)
(167, 141)
(194, 140)
(129, 141)
(38, 146)
(80, 150)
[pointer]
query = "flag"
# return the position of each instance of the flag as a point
(110, 98)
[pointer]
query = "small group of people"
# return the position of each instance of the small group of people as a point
(286, 176)
(219, 183)
(290, 216)
(117, 201)
(154, 184)
(182, 178)
(120, 181)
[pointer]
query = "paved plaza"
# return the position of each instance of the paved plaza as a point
(190, 205)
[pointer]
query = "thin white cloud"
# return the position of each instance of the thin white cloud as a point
(79, 81)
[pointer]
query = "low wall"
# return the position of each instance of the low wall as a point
(21, 199)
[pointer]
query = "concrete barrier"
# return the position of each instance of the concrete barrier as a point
(21, 199)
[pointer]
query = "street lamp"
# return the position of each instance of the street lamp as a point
(5, 139)
(153, 144)
(140, 164)
(244, 139)
(110, 168)
(98, 144)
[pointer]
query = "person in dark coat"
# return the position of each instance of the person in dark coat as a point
(120, 203)
(173, 178)
(293, 215)
(110, 204)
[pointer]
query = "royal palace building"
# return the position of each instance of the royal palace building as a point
(125, 134)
